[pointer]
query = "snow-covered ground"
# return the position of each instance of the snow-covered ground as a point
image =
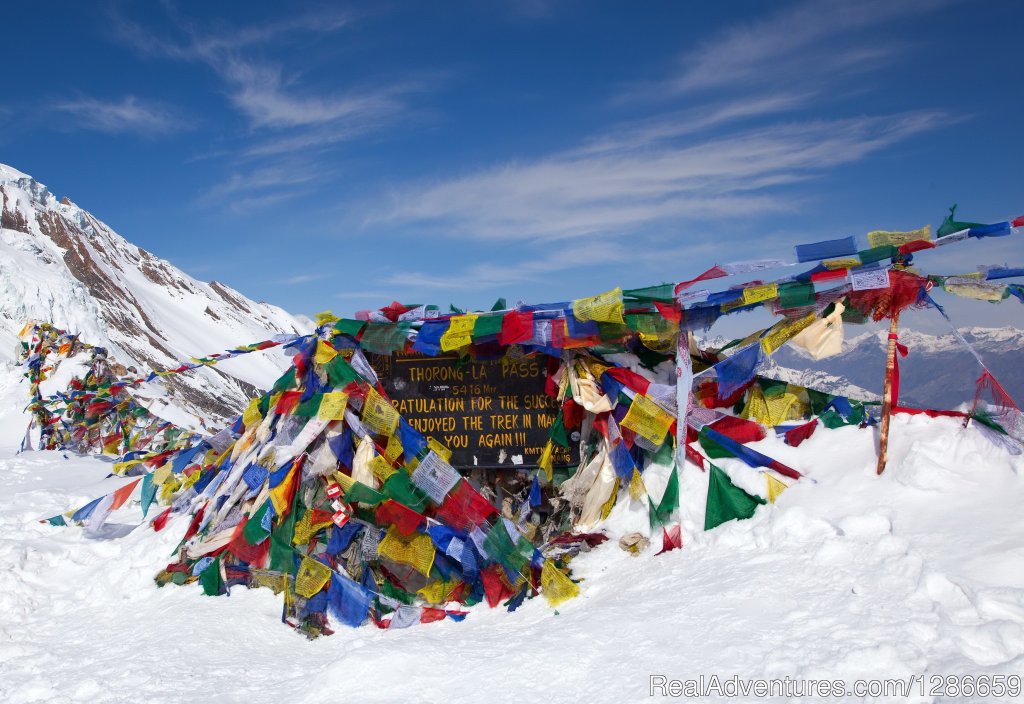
(919, 572)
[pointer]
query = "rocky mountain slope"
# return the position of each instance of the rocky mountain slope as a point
(61, 264)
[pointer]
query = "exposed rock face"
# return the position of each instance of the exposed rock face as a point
(60, 264)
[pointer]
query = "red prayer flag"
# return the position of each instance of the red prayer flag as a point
(464, 507)
(404, 518)
(631, 379)
(287, 403)
(671, 539)
(429, 615)
(160, 521)
(516, 327)
(122, 494)
(800, 433)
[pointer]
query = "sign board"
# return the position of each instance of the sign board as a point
(490, 414)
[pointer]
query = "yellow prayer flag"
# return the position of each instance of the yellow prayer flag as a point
(756, 294)
(379, 416)
(439, 449)
(344, 481)
(844, 263)
(440, 591)
(281, 495)
(381, 468)
(325, 317)
(162, 473)
(324, 352)
(394, 449)
(545, 461)
(416, 550)
(881, 238)
(637, 488)
(556, 587)
(784, 333)
(648, 420)
(311, 577)
(775, 487)
(332, 406)
(604, 308)
(459, 332)
(305, 528)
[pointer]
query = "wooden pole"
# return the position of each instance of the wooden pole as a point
(890, 365)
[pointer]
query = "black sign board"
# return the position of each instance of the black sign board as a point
(490, 414)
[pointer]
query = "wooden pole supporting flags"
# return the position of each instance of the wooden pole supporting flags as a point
(887, 395)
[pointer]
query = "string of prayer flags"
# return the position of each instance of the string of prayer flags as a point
(390, 530)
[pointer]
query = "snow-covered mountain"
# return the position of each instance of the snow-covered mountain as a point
(939, 371)
(60, 264)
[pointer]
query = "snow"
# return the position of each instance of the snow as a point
(848, 575)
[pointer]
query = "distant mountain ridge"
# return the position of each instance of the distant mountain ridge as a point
(62, 265)
(939, 371)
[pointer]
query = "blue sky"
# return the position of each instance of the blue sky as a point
(343, 155)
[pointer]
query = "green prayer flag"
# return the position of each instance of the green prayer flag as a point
(384, 338)
(663, 293)
(282, 557)
(661, 514)
(712, 448)
(727, 501)
(254, 532)
(287, 381)
(500, 547)
(362, 494)
(340, 372)
(487, 325)
(397, 593)
(210, 578)
(877, 254)
(796, 295)
(557, 433)
(399, 487)
(499, 304)
(57, 520)
(349, 327)
(950, 225)
(309, 407)
(147, 493)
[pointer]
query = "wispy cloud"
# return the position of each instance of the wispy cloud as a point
(253, 189)
(129, 114)
(538, 267)
(299, 279)
(806, 43)
(291, 118)
(263, 91)
(624, 182)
